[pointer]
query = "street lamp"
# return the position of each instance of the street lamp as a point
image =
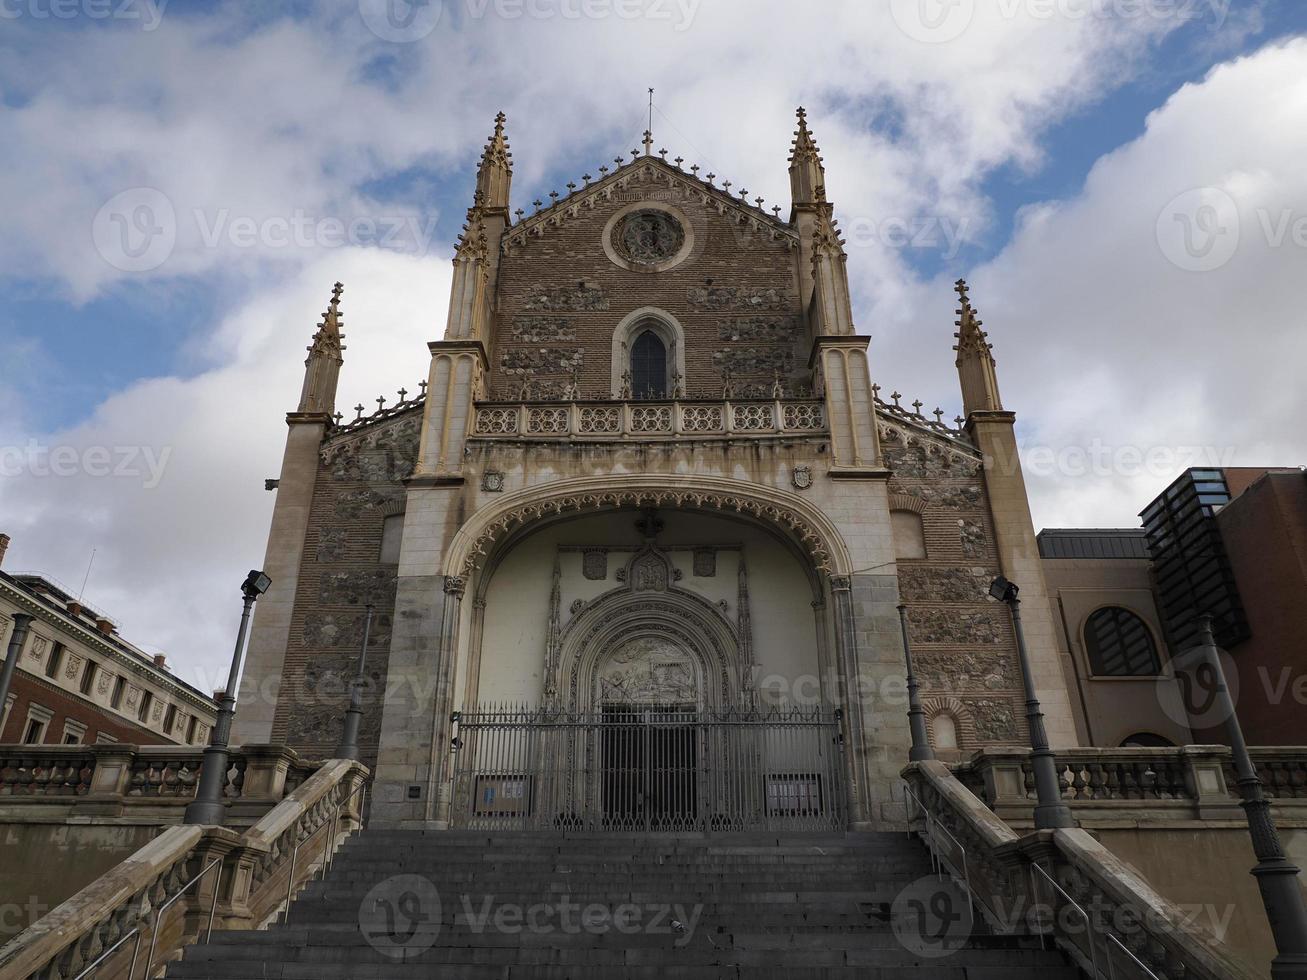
(1277, 876)
(1051, 810)
(208, 807)
(16, 640)
(920, 750)
(349, 738)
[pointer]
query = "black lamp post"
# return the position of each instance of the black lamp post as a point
(208, 807)
(920, 750)
(1051, 810)
(349, 738)
(16, 640)
(1277, 876)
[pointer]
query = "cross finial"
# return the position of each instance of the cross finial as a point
(648, 142)
(896, 396)
(423, 386)
(359, 409)
(381, 402)
(403, 393)
(917, 406)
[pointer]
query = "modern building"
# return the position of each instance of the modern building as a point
(635, 548)
(1227, 542)
(78, 681)
(1233, 542)
(1101, 589)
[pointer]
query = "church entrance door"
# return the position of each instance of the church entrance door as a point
(650, 767)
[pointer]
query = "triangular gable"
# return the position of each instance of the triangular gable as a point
(596, 192)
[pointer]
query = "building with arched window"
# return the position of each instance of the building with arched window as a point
(636, 548)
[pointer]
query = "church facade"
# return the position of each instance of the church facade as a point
(635, 554)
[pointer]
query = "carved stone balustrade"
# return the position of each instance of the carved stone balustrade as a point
(137, 915)
(1191, 782)
(1049, 882)
(152, 783)
(645, 419)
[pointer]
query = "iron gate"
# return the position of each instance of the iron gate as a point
(648, 767)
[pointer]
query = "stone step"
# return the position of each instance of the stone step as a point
(927, 970)
(761, 905)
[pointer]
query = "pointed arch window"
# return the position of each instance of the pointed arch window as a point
(648, 366)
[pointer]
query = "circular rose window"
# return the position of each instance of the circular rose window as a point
(648, 237)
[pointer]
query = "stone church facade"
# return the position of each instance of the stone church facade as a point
(650, 476)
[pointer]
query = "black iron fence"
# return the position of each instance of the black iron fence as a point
(648, 767)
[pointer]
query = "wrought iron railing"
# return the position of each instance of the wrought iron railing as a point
(650, 767)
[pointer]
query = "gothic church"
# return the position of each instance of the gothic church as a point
(635, 554)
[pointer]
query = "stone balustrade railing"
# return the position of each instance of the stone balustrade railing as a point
(1186, 782)
(117, 779)
(146, 908)
(1062, 884)
(643, 419)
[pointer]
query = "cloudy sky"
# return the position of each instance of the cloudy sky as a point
(1123, 182)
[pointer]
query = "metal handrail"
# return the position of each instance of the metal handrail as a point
(938, 861)
(158, 913)
(154, 929)
(1142, 965)
(1109, 937)
(326, 859)
(1089, 923)
(111, 950)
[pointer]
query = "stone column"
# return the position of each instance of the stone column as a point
(841, 363)
(438, 799)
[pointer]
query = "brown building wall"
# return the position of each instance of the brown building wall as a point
(735, 294)
(359, 485)
(963, 647)
(27, 689)
(1265, 535)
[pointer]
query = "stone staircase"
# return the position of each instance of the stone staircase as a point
(400, 904)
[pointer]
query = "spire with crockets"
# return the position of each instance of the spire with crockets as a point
(807, 175)
(495, 171)
(322, 366)
(975, 361)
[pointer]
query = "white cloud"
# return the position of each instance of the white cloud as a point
(1107, 342)
(305, 118)
(170, 557)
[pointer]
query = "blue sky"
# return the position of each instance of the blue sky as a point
(1052, 135)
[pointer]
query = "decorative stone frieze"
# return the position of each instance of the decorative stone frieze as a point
(931, 625)
(524, 361)
(594, 564)
(328, 630)
(705, 562)
(528, 329)
(944, 584)
(711, 297)
(951, 498)
(759, 329)
(994, 720)
(331, 543)
(755, 361)
(351, 504)
(972, 535)
(581, 296)
(358, 587)
(991, 670)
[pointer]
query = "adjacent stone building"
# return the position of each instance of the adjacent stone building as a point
(645, 530)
